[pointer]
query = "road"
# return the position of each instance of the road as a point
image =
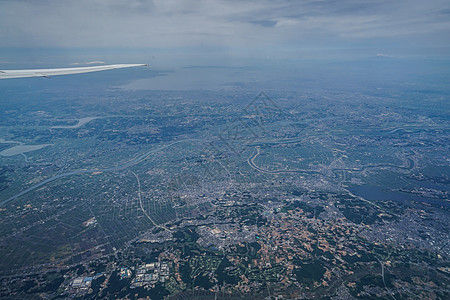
(142, 206)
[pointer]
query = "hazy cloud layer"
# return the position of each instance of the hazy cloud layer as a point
(224, 24)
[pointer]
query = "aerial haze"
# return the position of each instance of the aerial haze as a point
(270, 150)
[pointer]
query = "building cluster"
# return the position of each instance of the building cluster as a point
(81, 285)
(150, 274)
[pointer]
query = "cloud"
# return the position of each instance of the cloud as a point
(265, 23)
(223, 24)
(287, 22)
(384, 55)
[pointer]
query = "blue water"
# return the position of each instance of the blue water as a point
(375, 193)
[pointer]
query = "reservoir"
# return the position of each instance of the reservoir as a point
(21, 149)
(375, 193)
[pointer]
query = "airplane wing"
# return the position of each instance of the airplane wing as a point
(4, 74)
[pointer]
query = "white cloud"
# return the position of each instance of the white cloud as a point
(221, 23)
(385, 55)
(286, 22)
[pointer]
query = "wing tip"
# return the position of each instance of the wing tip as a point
(47, 73)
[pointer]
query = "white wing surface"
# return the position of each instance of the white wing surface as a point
(4, 74)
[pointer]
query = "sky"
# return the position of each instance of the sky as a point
(252, 28)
